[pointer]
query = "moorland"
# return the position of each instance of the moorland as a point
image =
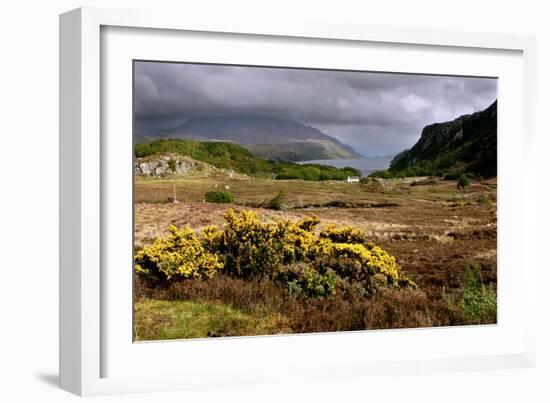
(230, 244)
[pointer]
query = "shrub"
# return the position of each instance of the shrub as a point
(463, 182)
(278, 202)
(285, 251)
(360, 263)
(382, 174)
(246, 245)
(343, 234)
(216, 196)
(308, 282)
(372, 185)
(249, 247)
(308, 223)
(180, 255)
(484, 199)
(297, 239)
(479, 302)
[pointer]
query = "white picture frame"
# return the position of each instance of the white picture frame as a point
(88, 182)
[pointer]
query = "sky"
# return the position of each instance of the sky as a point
(376, 113)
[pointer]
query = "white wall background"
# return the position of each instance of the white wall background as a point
(29, 201)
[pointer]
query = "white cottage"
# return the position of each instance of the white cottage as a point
(353, 179)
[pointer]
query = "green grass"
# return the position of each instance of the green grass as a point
(167, 320)
(479, 302)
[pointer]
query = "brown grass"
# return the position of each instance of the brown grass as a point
(390, 309)
(433, 230)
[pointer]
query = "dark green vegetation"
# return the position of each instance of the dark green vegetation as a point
(267, 137)
(172, 165)
(463, 182)
(278, 202)
(466, 145)
(232, 156)
(216, 196)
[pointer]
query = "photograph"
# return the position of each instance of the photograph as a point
(275, 200)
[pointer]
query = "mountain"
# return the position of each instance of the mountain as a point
(267, 137)
(467, 144)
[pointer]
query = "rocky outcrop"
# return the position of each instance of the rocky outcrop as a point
(165, 165)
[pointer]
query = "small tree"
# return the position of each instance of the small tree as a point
(463, 182)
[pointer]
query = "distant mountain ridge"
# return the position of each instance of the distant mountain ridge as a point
(267, 137)
(465, 144)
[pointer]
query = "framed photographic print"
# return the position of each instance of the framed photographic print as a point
(254, 202)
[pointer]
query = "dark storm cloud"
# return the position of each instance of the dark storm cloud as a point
(376, 113)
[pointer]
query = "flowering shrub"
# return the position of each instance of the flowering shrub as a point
(297, 239)
(346, 234)
(249, 247)
(246, 245)
(308, 223)
(285, 251)
(360, 263)
(180, 255)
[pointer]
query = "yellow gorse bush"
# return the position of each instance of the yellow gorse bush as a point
(344, 234)
(249, 246)
(365, 261)
(347, 251)
(245, 247)
(180, 255)
(298, 239)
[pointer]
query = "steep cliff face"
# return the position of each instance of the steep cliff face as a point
(466, 144)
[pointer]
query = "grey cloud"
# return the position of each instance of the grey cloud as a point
(374, 112)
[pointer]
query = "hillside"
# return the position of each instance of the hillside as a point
(268, 137)
(307, 150)
(230, 156)
(467, 144)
